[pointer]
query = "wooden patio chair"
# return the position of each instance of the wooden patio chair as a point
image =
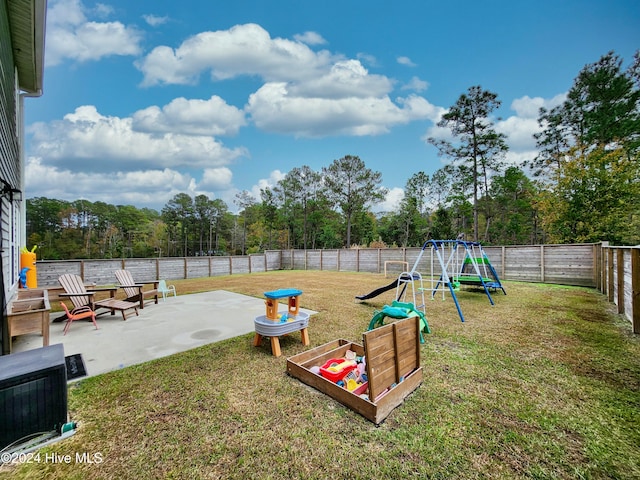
(78, 313)
(135, 290)
(80, 296)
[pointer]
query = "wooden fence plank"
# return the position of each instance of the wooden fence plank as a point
(635, 289)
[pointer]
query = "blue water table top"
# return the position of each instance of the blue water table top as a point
(283, 293)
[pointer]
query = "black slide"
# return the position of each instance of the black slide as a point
(378, 291)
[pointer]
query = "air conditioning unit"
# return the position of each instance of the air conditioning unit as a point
(33, 393)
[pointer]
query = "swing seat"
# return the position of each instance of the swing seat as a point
(473, 280)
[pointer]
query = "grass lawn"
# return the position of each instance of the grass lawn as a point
(545, 384)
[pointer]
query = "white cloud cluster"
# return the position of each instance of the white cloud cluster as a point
(89, 141)
(392, 200)
(191, 117)
(345, 79)
(141, 188)
(242, 50)
(519, 129)
(70, 35)
(305, 94)
(274, 109)
(147, 156)
(274, 177)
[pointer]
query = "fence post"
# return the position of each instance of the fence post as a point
(620, 282)
(542, 263)
(635, 289)
(603, 266)
(598, 270)
(612, 288)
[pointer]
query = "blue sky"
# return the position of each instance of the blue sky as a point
(149, 98)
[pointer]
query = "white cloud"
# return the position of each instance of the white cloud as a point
(514, 157)
(102, 10)
(519, 129)
(519, 132)
(345, 79)
(155, 20)
(310, 38)
(86, 140)
(368, 59)
(216, 178)
(439, 133)
(274, 177)
(419, 108)
(152, 188)
(416, 84)
(306, 93)
(241, 50)
(191, 117)
(391, 201)
(70, 35)
(406, 61)
(527, 107)
(273, 109)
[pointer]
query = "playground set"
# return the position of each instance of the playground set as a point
(452, 263)
(374, 378)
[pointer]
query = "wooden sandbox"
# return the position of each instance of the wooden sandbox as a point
(392, 354)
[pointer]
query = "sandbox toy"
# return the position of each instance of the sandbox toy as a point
(274, 324)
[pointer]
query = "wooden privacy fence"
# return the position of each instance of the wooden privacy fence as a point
(613, 270)
(101, 272)
(574, 264)
(620, 280)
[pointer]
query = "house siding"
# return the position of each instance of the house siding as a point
(10, 157)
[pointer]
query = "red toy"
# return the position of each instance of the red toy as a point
(335, 369)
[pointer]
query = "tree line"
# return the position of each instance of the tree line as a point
(584, 186)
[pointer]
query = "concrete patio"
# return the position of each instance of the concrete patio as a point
(175, 325)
